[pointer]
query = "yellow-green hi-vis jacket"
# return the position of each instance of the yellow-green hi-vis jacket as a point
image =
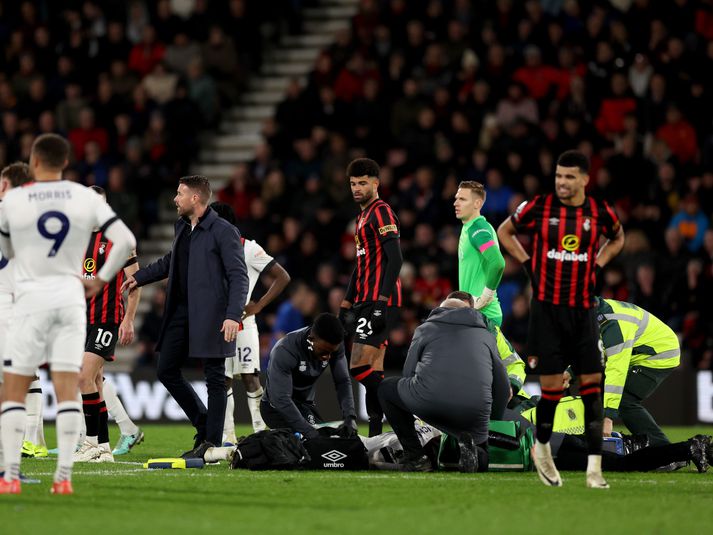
(632, 337)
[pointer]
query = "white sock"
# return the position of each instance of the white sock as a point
(69, 422)
(229, 422)
(117, 410)
(254, 399)
(543, 449)
(82, 425)
(594, 463)
(2, 457)
(13, 419)
(33, 405)
(217, 454)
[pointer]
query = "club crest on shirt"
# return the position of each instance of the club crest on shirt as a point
(102, 247)
(587, 225)
(532, 361)
(303, 366)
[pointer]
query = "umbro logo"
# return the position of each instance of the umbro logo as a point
(334, 456)
(554, 221)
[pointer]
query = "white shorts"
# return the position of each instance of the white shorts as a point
(54, 336)
(247, 359)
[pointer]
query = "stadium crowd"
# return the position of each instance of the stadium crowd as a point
(436, 91)
(492, 91)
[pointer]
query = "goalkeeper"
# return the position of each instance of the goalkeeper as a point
(480, 262)
(641, 352)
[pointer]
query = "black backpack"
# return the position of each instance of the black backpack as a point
(274, 449)
(333, 453)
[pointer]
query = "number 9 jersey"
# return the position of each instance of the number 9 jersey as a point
(45, 227)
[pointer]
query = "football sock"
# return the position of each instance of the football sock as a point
(90, 404)
(229, 423)
(371, 379)
(13, 420)
(593, 414)
(117, 410)
(594, 463)
(69, 421)
(546, 413)
(254, 399)
(2, 457)
(103, 431)
(33, 406)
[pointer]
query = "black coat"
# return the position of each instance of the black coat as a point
(217, 284)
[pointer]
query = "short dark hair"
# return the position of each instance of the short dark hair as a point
(199, 184)
(574, 158)
(225, 211)
(462, 296)
(363, 167)
(52, 150)
(99, 190)
(328, 327)
(476, 187)
(17, 174)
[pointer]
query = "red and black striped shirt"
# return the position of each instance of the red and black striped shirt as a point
(375, 225)
(565, 246)
(108, 305)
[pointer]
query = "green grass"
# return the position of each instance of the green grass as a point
(124, 498)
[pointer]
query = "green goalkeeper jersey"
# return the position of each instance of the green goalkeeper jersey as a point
(480, 263)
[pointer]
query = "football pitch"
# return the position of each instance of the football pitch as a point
(124, 498)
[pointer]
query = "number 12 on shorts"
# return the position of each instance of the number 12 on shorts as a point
(244, 354)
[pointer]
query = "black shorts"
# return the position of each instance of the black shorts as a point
(361, 325)
(101, 340)
(559, 336)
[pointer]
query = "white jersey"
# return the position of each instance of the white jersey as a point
(7, 280)
(256, 260)
(48, 225)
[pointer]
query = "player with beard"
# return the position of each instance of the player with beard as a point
(567, 228)
(370, 305)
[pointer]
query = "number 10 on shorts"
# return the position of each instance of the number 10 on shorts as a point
(104, 337)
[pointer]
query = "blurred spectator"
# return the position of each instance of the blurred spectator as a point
(147, 53)
(691, 223)
(86, 132)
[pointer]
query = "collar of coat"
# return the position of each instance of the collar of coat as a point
(205, 221)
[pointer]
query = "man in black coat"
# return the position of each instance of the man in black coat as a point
(207, 290)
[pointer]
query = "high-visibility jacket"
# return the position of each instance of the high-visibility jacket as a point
(514, 365)
(631, 336)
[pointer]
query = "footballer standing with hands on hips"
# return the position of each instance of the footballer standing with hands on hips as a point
(566, 228)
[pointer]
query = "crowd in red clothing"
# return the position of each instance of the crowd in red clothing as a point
(442, 91)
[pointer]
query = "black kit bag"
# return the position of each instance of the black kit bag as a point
(274, 449)
(334, 453)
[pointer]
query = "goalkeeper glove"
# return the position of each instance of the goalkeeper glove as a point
(378, 316)
(484, 299)
(349, 428)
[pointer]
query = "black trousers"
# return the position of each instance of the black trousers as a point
(641, 382)
(174, 353)
(573, 454)
(402, 421)
(399, 416)
(274, 419)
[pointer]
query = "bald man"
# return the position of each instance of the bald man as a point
(454, 380)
